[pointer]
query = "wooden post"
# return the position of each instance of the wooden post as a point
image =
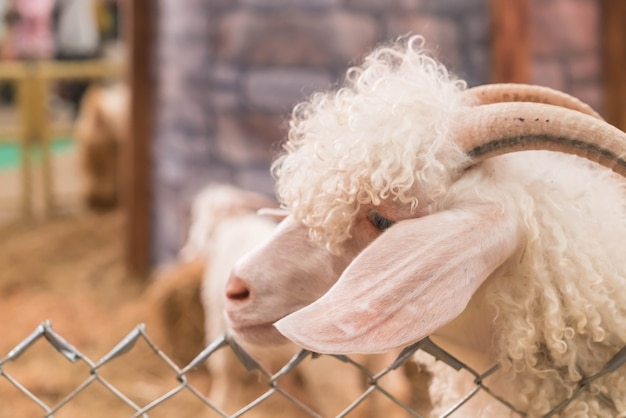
(42, 136)
(24, 102)
(614, 34)
(510, 48)
(140, 19)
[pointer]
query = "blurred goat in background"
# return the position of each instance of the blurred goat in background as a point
(101, 131)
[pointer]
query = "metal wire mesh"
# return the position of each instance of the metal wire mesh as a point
(73, 355)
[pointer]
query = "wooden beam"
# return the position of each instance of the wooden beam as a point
(510, 41)
(140, 25)
(614, 34)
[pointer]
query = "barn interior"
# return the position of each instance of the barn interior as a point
(197, 92)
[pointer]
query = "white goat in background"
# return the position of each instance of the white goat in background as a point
(421, 227)
(223, 226)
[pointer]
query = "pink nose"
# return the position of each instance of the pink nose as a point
(237, 289)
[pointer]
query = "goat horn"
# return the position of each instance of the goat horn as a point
(494, 129)
(511, 92)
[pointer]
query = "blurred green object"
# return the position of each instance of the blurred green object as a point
(10, 151)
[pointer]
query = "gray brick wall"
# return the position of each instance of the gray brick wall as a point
(231, 70)
(566, 45)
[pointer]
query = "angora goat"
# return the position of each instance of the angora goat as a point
(224, 227)
(421, 226)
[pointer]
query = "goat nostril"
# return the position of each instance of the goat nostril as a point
(237, 289)
(238, 295)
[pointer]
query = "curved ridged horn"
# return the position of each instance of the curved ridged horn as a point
(511, 92)
(490, 130)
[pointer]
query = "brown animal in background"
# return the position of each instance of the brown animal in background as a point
(101, 130)
(174, 313)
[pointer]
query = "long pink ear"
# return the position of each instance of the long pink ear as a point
(416, 277)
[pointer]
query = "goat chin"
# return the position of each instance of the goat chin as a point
(258, 335)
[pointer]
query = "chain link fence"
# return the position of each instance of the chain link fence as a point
(95, 377)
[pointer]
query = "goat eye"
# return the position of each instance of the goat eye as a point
(380, 222)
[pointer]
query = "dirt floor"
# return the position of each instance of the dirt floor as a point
(65, 266)
(69, 271)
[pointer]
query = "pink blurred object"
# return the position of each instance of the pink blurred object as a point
(33, 34)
